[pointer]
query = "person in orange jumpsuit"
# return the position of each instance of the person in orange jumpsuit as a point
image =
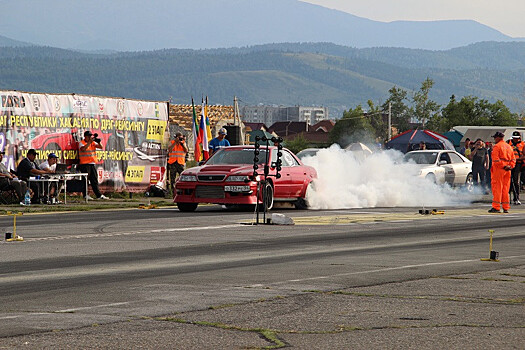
(502, 163)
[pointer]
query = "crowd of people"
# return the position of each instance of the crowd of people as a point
(498, 167)
(23, 180)
(32, 179)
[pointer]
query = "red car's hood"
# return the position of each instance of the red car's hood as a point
(223, 169)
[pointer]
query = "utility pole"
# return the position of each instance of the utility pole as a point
(389, 120)
(235, 111)
(237, 120)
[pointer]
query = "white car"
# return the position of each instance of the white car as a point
(308, 152)
(443, 166)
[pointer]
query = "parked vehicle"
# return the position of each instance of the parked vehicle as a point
(443, 166)
(308, 152)
(227, 178)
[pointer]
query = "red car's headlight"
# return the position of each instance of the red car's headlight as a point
(188, 178)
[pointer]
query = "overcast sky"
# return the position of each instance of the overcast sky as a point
(507, 16)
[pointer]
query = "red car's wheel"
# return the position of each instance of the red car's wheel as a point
(302, 203)
(266, 195)
(187, 207)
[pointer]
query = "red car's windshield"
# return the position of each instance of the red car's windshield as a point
(236, 156)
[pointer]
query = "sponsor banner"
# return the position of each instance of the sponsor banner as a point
(133, 134)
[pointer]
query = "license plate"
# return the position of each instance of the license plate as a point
(236, 188)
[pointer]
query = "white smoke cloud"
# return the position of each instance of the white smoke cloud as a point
(348, 180)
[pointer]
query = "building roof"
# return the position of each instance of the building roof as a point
(323, 126)
(182, 115)
(255, 126)
(288, 128)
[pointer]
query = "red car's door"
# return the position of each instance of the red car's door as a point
(283, 184)
(295, 172)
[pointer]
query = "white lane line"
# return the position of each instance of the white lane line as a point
(194, 228)
(405, 267)
(356, 212)
(91, 307)
(115, 234)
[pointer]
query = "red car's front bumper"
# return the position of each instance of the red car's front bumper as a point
(198, 192)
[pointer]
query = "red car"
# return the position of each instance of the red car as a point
(227, 178)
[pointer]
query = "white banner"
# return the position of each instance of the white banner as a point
(134, 133)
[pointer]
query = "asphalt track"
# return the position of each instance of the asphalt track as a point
(212, 279)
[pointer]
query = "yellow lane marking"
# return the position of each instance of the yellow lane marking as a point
(345, 219)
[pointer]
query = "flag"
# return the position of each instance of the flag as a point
(208, 128)
(204, 129)
(202, 132)
(196, 135)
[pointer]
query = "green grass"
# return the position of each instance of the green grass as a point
(77, 203)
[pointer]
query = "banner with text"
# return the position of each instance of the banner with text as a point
(134, 134)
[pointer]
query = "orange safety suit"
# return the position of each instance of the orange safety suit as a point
(502, 155)
(89, 156)
(177, 154)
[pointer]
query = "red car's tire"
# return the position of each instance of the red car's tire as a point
(266, 195)
(302, 203)
(187, 207)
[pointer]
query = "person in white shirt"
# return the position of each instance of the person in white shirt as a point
(50, 164)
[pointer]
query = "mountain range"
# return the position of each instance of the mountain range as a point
(323, 74)
(136, 25)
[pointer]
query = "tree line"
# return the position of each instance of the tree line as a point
(417, 110)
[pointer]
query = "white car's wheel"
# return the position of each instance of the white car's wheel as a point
(431, 177)
(469, 183)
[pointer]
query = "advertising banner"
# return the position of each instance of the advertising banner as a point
(134, 134)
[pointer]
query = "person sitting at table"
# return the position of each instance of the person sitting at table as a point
(28, 168)
(50, 165)
(9, 180)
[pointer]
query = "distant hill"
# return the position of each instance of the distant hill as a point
(5, 41)
(490, 55)
(133, 25)
(289, 74)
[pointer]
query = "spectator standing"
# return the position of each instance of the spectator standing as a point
(488, 167)
(479, 158)
(522, 177)
(463, 150)
(219, 142)
(422, 145)
(9, 180)
(502, 163)
(177, 151)
(517, 146)
(87, 154)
